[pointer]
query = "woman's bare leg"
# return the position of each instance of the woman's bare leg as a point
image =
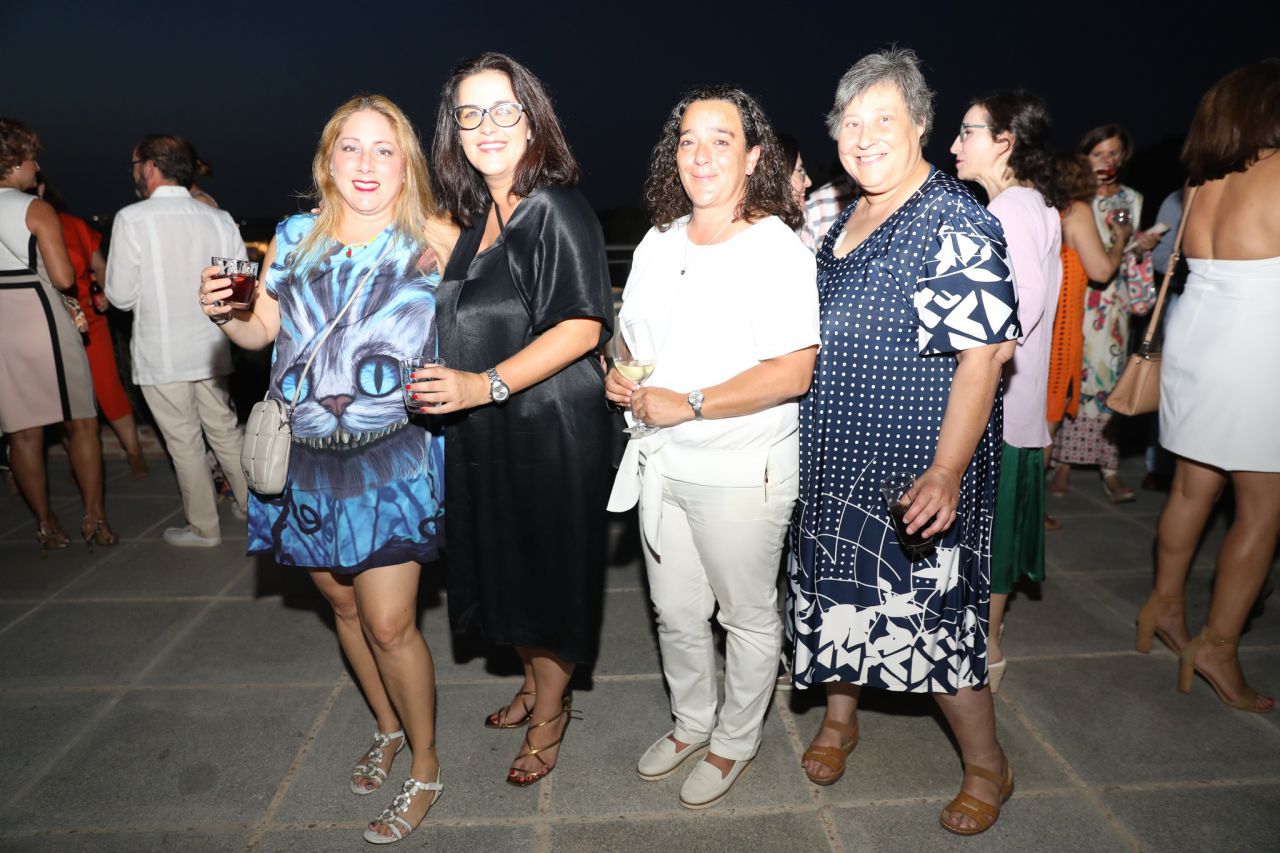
(842, 707)
(551, 675)
(972, 718)
(85, 447)
(1195, 490)
(26, 459)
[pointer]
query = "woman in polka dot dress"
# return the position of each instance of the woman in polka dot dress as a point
(918, 313)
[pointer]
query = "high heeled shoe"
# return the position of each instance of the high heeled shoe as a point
(523, 778)
(1118, 493)
(1248, 698)
(51, 540)
(498, 719)
(1147, 627)
(137, 466)
(96, 532)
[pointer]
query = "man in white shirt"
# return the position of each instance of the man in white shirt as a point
(180, 360)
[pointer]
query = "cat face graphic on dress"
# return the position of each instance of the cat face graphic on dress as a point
(352, 401)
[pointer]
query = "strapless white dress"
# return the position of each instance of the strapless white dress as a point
(1220, 376)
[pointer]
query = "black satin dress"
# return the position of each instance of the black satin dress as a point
(526, 482)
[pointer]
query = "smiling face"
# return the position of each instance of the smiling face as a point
(978, 153)
(493, 151)
(712, 155)
(367, 165)
(878, 142)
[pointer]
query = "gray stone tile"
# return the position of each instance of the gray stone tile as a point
(91, 643)
(1237, 817)
(1073, 616)
(905, 750)
(28, 577)
(152, 568)
(1108, 543)
(1116, 720)
(459, 839)
(621, 720)
(203, 756)
(706, 832)
(267, 641)
(196, 840)
(129, 518)
(12, 611)
(267, 578)
(36, 723)
(474, 762)
(1026, 824)
(628, 639)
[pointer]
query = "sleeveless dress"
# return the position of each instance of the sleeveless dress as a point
(44, 373)
(932, 280)
(1066, 355)
(1218, 401)
(529, 480)
(366, 481)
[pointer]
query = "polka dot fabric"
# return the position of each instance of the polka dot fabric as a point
(933, 279)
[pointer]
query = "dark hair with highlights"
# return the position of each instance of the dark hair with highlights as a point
(173, 156)
(18, 143)
(546, 162)
(768, 186)
(1079, 183)
(1024, 115)
(1237, 118)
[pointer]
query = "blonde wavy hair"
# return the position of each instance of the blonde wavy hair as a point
(418, 219)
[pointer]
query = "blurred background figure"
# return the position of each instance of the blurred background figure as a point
(798, 177)
(44, 372)
(1218, 406)
(1003, 145)
(1086, 439)
(84, 248)
(203, 170)
(823, 207)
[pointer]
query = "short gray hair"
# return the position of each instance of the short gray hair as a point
(897, 65)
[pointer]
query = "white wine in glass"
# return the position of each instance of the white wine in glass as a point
(635, 357)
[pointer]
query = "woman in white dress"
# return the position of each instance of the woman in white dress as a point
(1218, 406)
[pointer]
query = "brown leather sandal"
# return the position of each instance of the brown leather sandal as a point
(1147, 628)
(832, 757)
(983, 814)
(1248, 698)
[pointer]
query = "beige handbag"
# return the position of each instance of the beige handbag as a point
(1138, 390)
(264, 456)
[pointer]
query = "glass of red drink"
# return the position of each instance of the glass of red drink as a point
(244, 280)
(895, 490)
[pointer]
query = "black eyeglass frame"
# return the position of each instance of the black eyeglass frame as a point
(487, 111)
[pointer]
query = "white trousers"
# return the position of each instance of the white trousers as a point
(187, 413)
(720, 546)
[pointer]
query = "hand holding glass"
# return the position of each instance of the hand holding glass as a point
(895, 490)
(634, 356)
(244, 280)
(407, 368)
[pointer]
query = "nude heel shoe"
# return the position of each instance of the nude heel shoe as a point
(1248, 698)
(1147, 628)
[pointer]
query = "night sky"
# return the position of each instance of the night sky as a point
(252, 84)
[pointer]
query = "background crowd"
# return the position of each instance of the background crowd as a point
(949, 347)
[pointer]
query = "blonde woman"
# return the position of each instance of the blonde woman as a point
(362, 506)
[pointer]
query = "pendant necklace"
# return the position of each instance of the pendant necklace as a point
(684, 264)
(351, 246)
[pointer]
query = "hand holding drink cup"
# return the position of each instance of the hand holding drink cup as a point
(227, 284)
(417, 376)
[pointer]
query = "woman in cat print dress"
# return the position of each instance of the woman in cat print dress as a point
(362, 508)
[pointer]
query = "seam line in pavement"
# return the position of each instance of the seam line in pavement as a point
(817, 793)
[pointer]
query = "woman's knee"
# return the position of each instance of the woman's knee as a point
(341, 596)
(386, 629)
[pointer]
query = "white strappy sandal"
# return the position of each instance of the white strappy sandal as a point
(370, 766)
(390, 817)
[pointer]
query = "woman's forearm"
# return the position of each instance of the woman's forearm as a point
(247, 331)
(973, 390)
(550, 353)
(764, 386)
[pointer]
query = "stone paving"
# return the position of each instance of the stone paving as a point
(156, 698)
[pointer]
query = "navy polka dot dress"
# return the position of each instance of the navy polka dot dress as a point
(933, 279)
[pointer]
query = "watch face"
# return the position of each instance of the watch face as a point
(499, 392)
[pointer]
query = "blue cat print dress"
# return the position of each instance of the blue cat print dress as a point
(366, 483)
(932, 280)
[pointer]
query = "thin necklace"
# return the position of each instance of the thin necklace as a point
(352, 246)
(684, 263)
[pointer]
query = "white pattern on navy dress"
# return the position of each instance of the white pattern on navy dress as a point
(932, 280)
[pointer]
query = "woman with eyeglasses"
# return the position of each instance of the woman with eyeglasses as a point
(524, 307)
(1003, 146)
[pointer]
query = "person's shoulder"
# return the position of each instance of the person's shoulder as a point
(776, 236)
(131, 212)
(559, 200)
(291, 229)
(951, 200)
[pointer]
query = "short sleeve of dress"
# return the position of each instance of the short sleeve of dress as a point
(289, 233)
(558, 261)
(966, 297)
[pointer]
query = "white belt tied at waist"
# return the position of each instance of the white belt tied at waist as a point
(649, 459)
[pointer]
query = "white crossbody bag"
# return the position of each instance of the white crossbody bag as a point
(268, 433)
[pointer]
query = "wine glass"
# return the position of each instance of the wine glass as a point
(635, 356)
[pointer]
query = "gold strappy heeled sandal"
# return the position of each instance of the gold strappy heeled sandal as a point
(523, 778)
(51, 540)
(1248, 698)
(96, 532)
(498, 719)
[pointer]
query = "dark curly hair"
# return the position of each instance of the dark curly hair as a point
(1024, 115)
(768, 187)
(547, 161)
(18, 143)
(1076, 176)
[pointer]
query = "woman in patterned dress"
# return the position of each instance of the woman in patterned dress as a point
(918, 313)
(361, 508)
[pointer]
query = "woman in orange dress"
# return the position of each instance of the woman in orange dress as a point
(84, 247)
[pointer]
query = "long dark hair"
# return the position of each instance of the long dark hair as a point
(768, 186)
(1024, 115)
(1101, 134)
(547, 161)
(1237, 118)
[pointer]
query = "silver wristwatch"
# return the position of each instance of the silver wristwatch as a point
(695, 403)
(498, 390)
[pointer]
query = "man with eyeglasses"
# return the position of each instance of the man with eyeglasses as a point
(181, 362)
